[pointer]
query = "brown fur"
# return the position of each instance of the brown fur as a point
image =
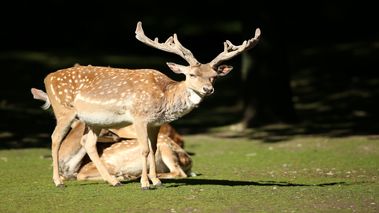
(171, 159)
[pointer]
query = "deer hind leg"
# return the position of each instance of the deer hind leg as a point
(71, 152)
(64, 121)
(89, 143)
(171, 161)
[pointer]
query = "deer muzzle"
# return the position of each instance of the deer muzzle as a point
(208, 90)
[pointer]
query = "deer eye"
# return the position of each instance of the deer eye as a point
(192, 75)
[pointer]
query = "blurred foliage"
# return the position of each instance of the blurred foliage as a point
(330, 49)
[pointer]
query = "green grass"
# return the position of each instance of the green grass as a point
(304, 174)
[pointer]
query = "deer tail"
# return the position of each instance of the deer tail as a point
(41, 95)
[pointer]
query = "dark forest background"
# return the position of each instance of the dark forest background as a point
(315, 70)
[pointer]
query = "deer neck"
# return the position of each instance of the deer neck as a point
(180, 100)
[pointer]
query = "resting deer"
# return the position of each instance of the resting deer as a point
(121, 156)
(104, 97)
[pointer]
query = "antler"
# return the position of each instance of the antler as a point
(171, 45)
(230, 50)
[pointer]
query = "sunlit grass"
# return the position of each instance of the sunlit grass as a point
(304, 174)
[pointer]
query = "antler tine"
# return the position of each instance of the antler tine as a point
(171, 45)
(231, 50)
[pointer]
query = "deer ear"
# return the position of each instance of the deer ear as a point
(223, 70)
(176, 67)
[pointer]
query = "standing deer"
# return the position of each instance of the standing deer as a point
(104, 97)
(119, 152)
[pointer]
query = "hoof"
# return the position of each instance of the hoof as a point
(145, 188)
(158, 185)
(118, 184)
(60, 186)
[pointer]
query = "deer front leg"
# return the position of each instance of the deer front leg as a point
(89, 143)
(153, 136)
(141, 130)
(89, 172)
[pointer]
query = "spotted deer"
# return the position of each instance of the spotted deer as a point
(120, 153)
(104, 97)
(123, 158)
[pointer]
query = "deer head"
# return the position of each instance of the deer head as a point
(199, 77)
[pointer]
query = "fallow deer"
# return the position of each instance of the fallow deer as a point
(122, 156)
(104, 97)
(120, 152)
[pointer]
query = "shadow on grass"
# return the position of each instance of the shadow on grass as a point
(179, 182)
(168, 183)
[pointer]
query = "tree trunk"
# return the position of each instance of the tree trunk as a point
(267, 91)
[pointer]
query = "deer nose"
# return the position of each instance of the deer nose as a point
(208, 90)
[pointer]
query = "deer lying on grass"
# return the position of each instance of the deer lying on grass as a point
(104, 97)
(122, 156)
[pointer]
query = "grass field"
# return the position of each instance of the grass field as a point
(303, 174)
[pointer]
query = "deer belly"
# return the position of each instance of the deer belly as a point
(102, 113)
(105, 118)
